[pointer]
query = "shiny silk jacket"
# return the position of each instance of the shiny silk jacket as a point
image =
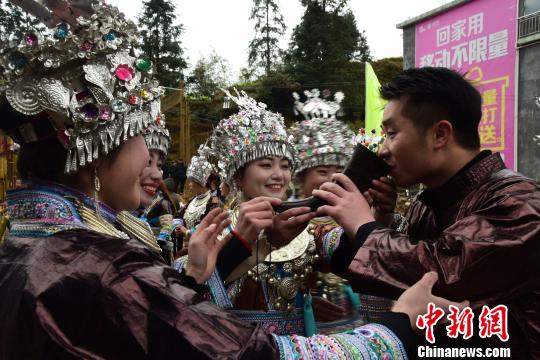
(481, 232)
(100, 297)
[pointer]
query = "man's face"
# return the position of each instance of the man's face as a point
(406, 149)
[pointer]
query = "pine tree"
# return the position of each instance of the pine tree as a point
(326, 52)
(160, 41)
(325, 40)
(264, 50)
(327, 5)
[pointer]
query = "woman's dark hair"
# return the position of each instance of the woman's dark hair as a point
(43, 159)
(167, 195)
(434, 94)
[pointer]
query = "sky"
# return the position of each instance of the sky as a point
(224, 26)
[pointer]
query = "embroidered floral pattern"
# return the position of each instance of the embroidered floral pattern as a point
(366, 342)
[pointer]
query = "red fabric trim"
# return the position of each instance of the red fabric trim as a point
(243, 240)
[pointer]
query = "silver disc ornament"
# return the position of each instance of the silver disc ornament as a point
(23, 97)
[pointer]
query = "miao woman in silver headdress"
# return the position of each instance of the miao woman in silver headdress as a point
(81, 272)
(253, 153)
(323, 146)
(157, 207)
(203, 201)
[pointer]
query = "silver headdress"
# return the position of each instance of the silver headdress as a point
(157, 135)
(79, 74)
(199, 170)
(320, 139)
(250, 134)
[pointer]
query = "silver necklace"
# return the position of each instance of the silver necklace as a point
(196, 209)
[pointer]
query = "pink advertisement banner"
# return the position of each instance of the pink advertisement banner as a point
(479, 39)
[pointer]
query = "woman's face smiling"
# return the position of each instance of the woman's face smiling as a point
(120, 174)
(150, 179)
(268, 176)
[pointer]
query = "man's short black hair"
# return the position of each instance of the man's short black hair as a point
(434, 94)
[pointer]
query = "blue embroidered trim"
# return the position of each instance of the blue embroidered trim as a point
(217, 289)
(275, 322)
(366, 342)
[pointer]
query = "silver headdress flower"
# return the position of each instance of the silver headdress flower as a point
(157, 135)
(320, 139)
(199, 170)
(80, 75)
(252, 133)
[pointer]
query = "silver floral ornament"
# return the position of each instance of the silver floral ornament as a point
(53, 95)
(98, 74)
(119, 106)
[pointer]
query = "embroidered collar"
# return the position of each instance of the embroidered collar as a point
(44, 209)
(464, 181)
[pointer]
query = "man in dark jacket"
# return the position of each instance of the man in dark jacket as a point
(477, 223)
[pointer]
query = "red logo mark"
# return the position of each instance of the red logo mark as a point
(429, 320)
(494, 322)
(460, 323)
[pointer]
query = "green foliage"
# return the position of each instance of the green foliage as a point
(247, 74)
(264, 50)
(15, 23)
(327, 5)
(205, 110)
(327, 51)
(387, 68)
(160, 41)
(275, 90)
(209, 75)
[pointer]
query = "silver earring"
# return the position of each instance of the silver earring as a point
(97, 187)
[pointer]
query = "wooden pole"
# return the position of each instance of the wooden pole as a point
(185, 128)
(181, 128)
(187, 132)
